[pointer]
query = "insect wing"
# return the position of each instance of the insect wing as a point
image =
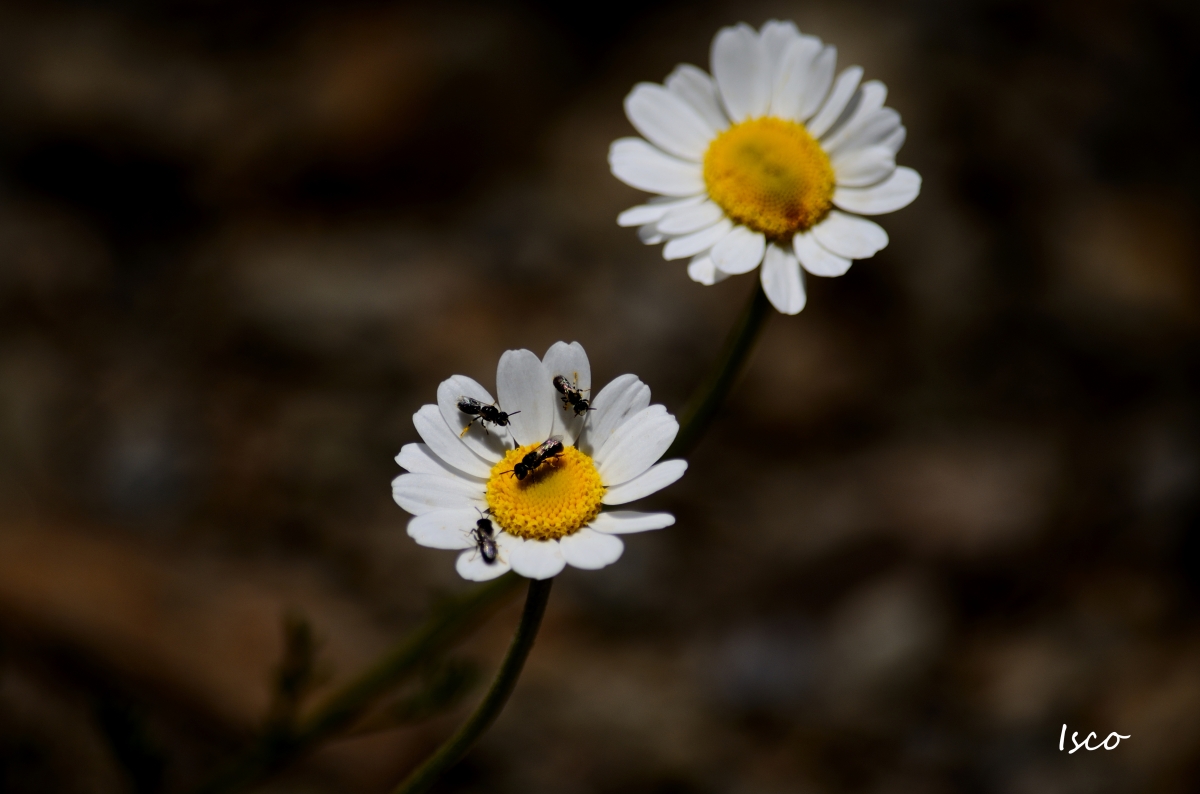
(549, 447)
(471, 406)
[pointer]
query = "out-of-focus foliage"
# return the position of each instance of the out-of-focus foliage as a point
(951, 506)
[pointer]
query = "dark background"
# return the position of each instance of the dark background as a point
(951, 506)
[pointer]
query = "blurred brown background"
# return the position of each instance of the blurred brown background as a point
(951, 507)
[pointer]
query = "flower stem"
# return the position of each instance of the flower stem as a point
(696, 415)
(279, 746)
(712, 391)
(497, 695)
(283, 744)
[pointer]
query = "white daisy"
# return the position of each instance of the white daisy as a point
(552, 517)
(771, 160)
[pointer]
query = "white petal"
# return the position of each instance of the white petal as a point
(571, 362)
(862, 167)
(668, 122)
(896, 139)
(625, 522)
(505, 543)
(650, 235)
(686, 220)
(472, 567)
(523, 383)
(868, 102)
(657, 477)
(636, 445)
(702, 270)
(817, 259)
(817, 81)
(419, 459)
(446, 444)
(850, 236)
(625, 427)
(739, 66)
(444, 529)
(654, 210)
(782, 280)
(489, 443)
(843, 91)
(694, 86)
(775, 37)
(794, 71)
(640, 165)
(423, 493)
(537, 559)
(622, 397)
(692, 244)
(895, 192)
(590, 550)
(740, 251)
(872, 130)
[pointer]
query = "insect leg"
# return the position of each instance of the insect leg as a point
(468, 427)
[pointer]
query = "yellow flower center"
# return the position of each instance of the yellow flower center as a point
(769, 174)
(557, 499)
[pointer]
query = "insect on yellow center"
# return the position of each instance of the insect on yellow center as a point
(557, 499)
(771, 175)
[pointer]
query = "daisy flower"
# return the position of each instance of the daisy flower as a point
(465, 472)
(769, 161)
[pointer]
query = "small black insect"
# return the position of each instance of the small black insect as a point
(482, 411)
(572, 395)
(484, 535)
(550, 448)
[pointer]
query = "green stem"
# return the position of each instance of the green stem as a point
(281, 745)
(712, 391)
(489, 708)
(696, 415)
(447, 624)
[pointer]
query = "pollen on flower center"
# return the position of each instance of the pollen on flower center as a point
(771, 175)
(557, 499)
